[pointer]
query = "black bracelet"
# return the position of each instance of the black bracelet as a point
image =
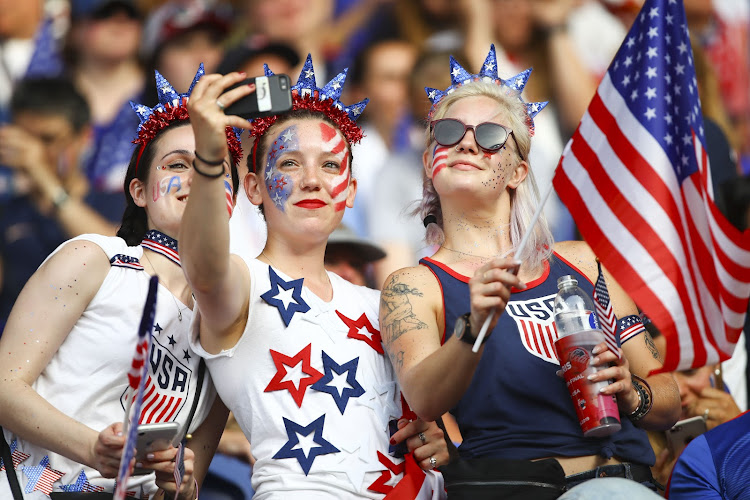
(204, 174)
(645, 398)
(211, 163)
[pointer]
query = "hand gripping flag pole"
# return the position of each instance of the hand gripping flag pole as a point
(519, 250)
(136, 380)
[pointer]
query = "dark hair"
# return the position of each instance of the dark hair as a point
(134, 223)
(736, 193)
(51, 96)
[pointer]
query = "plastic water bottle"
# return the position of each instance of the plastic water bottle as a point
(578, 332)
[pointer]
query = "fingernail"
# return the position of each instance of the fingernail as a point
(251, 85)
(592, 376)
(393, 441)
(243, 73)
(403, 421)
(138, 464)
(522, 286)
(596, 349)
(150, 456)
(119, 433)
(595, 361)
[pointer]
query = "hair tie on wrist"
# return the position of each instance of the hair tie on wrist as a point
(429, 219)
(210, 163)
(204, 174)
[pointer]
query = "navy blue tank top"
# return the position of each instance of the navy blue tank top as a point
(516, 406)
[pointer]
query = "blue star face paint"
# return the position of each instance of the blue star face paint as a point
(279, 185)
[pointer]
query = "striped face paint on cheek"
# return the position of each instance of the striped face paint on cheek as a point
(229, 193)
(340, 185)
(165, 186)
(279, 185)
(439, 159)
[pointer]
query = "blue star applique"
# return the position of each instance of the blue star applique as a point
(41, 477)
(81, 484)
(286, 296)
(302, 449)
(337, 386)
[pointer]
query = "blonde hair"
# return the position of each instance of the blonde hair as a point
(523, 200)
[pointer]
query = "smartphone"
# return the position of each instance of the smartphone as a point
(154, 437)
(683, 432)
(272, 96)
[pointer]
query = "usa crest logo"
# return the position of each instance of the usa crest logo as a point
(536, 325)
(167, 386)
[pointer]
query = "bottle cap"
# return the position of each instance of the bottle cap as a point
(565, 281)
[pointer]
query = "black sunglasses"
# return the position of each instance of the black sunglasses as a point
(489, 136)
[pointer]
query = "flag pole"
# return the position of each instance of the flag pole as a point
(519, 250)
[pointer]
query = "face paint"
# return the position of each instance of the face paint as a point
(439, 159)
(279, 185)
(165, 186)
(332, 139)
(229, 192)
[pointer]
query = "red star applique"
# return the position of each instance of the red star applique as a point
(279, 384)
(373, 341)
(391, 470)
(487, 155)
(406, 411)
(410, 485)
(280, 183)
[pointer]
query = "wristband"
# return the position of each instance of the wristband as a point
(210, 163)
(204, 174)
(60, 198)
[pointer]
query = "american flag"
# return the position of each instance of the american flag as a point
(136, 380)
(229, 192)
(603, 306)
(636, 179)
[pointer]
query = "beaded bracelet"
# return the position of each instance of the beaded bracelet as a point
(645, 398)
(204, 174)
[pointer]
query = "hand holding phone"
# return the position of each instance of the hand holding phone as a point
(154, 437)
(272, 96)
(683, 432)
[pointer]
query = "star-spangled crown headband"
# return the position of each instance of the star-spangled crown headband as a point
(307, 95)
(172, 107)
(488, 73)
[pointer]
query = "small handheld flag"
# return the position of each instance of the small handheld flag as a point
(606, 315)
(136, 380)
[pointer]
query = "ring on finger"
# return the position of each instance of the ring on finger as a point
(220, 105)
(705, 414)
(422, 437)
(433, 462)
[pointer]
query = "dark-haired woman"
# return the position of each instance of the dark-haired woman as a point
(70, 338)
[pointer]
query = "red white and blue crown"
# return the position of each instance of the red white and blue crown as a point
(172, 107)
(307, 95)
(459, 77)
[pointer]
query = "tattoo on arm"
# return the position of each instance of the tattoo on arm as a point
(397, 312)
(651, 346)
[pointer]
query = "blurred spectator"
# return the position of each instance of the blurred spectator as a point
(180, 35)
(102, 51)
(702, 393)
(279, 57)
(351, 257)
(715, 465)
(381, 73)
(399, 183)
(43, 146)
(28, 47)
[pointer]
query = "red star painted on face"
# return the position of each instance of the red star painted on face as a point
(276, 384)
(280, 183)
(487, 154)
(373, 341)
(391, 470)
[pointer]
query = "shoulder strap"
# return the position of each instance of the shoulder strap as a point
(198, 388)
(10, 470)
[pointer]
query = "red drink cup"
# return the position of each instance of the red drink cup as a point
(597, 413)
